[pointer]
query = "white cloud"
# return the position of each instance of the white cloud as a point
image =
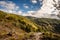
(48, 7)
(34, 1)
(46, 10)
(26, 6)
(41, 0)
(19, 13)
(10, 7)
(29, 13)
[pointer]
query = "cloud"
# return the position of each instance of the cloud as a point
(10, 7)
(29, 13)
(48, 7)
(26, 6)
(20, 12)
(40, 0)
(34, 1)
(46, 11)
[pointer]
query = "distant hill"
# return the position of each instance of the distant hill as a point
(17, 27)
(47, 24)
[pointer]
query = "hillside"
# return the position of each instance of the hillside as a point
(47, 24)
(17, 27)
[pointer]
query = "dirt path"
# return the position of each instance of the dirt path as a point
(37, 35)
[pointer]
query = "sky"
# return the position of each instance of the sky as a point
(35, 8)
(19, 6)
